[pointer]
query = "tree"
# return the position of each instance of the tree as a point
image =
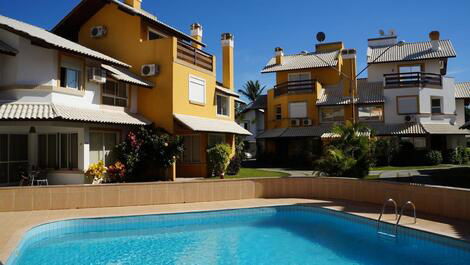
(252, 90)
(348, 155)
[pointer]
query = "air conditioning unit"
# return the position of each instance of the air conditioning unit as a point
(295, 122)
(97, 75)
(97, 32)
(149, 69)
(410, 118)
(307, 122)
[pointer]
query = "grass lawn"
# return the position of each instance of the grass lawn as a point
(256, 173)
(410, 167)
(372, 177)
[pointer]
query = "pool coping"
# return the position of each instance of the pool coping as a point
(21, 222)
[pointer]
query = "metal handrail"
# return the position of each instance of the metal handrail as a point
(401, 213)
(390, 200)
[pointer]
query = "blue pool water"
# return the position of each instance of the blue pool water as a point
(275, 235)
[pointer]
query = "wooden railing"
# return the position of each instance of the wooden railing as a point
(303, 86)
(415, 79)
(195, 56)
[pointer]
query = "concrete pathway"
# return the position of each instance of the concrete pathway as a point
(405, 173)
(291, 172)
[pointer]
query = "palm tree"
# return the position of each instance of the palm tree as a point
(252, 90)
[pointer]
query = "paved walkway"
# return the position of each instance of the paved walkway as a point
(405, 173)
(291, 172)
(14, 224)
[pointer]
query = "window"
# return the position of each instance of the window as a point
(102, 146)
(246, 125)
(278, 112)
(223, 105)
(197, 90)
(297, 110)
(410, 69)
(418, 142)
(370, 113)
(407, 104)
(192, 144)
(13, 156)
(436, 107)
(115, 93)
(58, 151)
(69, 78)
(215, 138)
(298, 78)
(331, 114)
(154, 35)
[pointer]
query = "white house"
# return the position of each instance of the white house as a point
(62, 105)
(252, 119)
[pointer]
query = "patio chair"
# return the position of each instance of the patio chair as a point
(39, 177)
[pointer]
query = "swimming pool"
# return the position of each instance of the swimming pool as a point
(271, 235)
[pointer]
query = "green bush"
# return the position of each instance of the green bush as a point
(405, 155)
(236, 161)
(457, 156)
(433, 157)
(348, 155)
(384, 150)
(219, 158)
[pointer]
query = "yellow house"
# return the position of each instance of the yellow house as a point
(187, 100)
(300, 108)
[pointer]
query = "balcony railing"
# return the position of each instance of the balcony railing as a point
(303, 86)
(194, 56)
(415, 79)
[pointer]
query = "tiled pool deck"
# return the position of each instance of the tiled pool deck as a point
(14, 224)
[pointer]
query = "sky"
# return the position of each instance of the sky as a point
(261, 25)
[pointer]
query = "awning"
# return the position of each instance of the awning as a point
(210, 125)
(398, 129)
(330, 135)
(226, 91)
(310, 131)
(436, 128)
(49, 111)
(127, 76)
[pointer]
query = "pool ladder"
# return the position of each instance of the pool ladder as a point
(397, 217)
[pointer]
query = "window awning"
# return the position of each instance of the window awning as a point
(127, 76)
(436, 128)
(210, 125)
(226, 91)
(48, 111)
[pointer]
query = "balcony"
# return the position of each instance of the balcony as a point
(195, 56)
(303, 86)
(415, 79)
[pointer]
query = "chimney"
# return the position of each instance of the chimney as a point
(279, 53)
(196, 33)
(434, 36)
(227, 60)
(134, 3)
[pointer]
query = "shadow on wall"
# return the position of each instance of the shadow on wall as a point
(459, 226)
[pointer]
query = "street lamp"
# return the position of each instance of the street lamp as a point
(400, 43)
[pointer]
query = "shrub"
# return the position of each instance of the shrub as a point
(219, 158)
(349, 154)
(384, 150)
(457, 156)
(96, 173)
(433, 157)
(116, 172)
(146, 151)
(405, 155)
(236, 161)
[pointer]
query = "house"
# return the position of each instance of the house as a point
(407, 93)
(252, 119)
(62, 105)
(187, 99)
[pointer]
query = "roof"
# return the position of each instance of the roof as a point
(49, 111)
(368, 93)
(310, 131)
(127, 76)
(260, 103)
(7, 49)
(226, 91)
(45, 38)
(410, 52)
(398, 129)
(302, 61)
(210, 125)
(436, 128)
(71, 23)
(462, 90)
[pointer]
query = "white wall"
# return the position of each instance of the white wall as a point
(375, 72)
